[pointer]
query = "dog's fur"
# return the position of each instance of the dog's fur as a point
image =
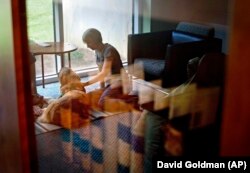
(69, 80)
(71, 110)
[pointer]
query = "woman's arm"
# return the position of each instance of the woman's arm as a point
(106, 69)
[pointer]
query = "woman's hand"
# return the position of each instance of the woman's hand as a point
(85, 84)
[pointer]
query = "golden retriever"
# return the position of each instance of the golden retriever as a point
(71, 109)
(69, 80)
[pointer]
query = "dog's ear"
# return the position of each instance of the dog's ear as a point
(60, 75)
(64, 75)
(63, 79)
(64, 89)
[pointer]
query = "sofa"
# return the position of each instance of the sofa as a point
(164, 54)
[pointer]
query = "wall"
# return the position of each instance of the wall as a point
(204, 11)
(167, 13)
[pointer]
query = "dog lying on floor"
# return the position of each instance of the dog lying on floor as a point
(71, 109)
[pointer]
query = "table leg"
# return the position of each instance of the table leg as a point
(69, 60)
(56, 64)
(62, 60)
(42, 71)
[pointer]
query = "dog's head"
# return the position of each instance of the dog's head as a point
(67, 75)
(69, 80)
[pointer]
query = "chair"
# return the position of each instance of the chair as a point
(165, 54)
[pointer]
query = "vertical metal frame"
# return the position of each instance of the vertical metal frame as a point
(141, 16)
(137, 17)
(58, 28)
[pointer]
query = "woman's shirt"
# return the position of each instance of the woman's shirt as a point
(111, 54)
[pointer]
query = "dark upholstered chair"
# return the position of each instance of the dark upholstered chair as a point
(165, 54)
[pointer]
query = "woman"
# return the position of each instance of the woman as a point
(109, 63)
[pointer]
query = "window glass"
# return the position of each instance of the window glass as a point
(40, 29)
(113, 18)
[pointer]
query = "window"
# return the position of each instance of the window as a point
(113, 18)
(40, 28)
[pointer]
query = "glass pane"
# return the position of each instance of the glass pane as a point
(49, 65)
(113, 18)
(40, 29)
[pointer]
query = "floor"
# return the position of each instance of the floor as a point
(52, 90)
(105, 145)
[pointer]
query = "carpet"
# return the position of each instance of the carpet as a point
(105, 145)
(52, 90)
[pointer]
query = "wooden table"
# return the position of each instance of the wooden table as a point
(57, 48)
